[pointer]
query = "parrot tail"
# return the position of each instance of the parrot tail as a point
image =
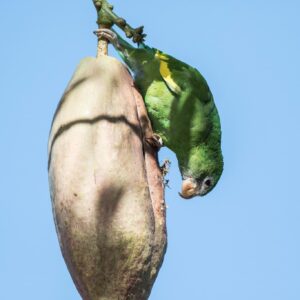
(125, 50)
(132, 57)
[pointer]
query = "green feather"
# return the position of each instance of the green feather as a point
(181, 108)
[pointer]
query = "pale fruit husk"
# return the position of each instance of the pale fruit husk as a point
(106, 188)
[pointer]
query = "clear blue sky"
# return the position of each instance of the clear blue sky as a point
(242, 241)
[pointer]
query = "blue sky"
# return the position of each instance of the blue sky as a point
(239, 242)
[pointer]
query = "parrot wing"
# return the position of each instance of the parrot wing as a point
(166, 73)
(180, 77)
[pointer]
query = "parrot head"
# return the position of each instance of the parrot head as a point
(192, 187)
(201, 172)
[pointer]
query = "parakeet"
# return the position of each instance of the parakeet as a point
(181, 109)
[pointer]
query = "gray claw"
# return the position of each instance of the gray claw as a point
(155, 141)
(109, 35)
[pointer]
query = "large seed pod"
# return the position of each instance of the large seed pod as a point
(106, 186)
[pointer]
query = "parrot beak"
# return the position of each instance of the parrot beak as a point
(189, 188)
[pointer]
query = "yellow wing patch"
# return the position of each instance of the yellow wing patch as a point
(166, 74)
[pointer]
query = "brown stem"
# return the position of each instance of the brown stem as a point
(107, 193)
(102, 48)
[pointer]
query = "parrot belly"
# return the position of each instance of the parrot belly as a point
(158, 100)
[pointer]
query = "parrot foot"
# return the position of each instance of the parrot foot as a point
(110, 36)
(155, 141)
(165, 167)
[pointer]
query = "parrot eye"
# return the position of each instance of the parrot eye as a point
(208, 182)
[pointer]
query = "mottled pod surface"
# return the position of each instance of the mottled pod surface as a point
(106, 186)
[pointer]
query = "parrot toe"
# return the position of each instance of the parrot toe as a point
(155, 141)
(109, 35)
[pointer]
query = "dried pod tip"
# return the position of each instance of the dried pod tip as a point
(139, 29)
(98, 4)
(121, 22)
(139, 38)
(128, 33)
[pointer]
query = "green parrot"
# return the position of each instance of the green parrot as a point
(181, 109)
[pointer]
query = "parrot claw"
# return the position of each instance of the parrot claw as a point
(155, 141)
(165, 167)
(109, 35)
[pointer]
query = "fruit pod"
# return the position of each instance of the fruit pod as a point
(105, 184)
